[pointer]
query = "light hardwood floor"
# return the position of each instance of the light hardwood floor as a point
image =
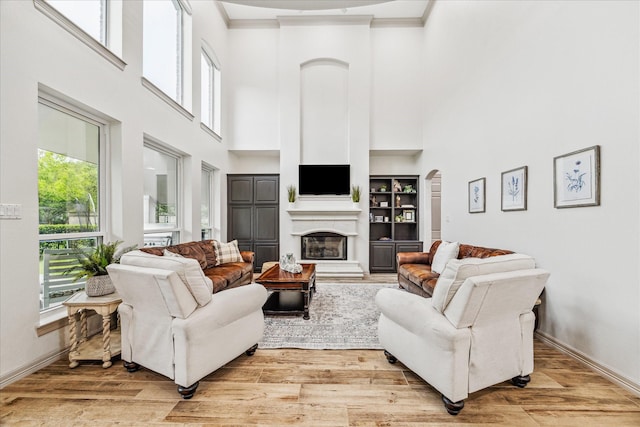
(312, 388)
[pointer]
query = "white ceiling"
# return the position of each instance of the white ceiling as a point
(241, 10)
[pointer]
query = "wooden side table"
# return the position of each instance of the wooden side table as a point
(92, 348)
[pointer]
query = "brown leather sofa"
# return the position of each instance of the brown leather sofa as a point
(224, 276)
(414, 268)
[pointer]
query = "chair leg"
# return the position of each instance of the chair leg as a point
(188, 392)
(521, 381)
(452, 408)
(390, 357)
(130, 366)
(252, 350)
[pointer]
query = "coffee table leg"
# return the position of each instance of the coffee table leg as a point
(306, 304)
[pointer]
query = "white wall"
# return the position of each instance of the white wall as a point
(38, 52)
(383, 106)
(509, 84)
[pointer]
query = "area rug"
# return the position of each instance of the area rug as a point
(342, 316)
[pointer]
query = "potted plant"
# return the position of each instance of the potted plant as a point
(355, 194)
(291, 195)
(93, 266)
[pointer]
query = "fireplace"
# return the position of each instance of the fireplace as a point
(324, 246)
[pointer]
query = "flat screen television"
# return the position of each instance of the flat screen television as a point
(324, 180)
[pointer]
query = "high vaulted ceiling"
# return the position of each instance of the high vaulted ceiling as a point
(270, 10)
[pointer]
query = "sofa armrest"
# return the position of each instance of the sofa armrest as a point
(248, 256)
(412, 258)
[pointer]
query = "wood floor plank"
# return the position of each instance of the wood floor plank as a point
(585, 418)
(332, 376)
(259, 413)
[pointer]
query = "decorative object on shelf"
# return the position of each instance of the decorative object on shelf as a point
(378, 218)
(386, 219)
(288, 263)
(383, 188)
(398, 203)
(476, 195)
(399, 218)
(409, 216)
(576, 178)
(355, 193)
(385, 238)
(409, 189)
(396, 186)
(514, 189)
(291, 193)
(384, 204)
(93, 266)
(371, 216)
(374, 202)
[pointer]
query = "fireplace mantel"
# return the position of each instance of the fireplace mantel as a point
(337, 219)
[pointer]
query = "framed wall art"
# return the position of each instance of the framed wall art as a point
(576, 178)
(514, 189)
(476, 195)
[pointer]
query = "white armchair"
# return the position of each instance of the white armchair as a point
(169, 328)
(475, 332)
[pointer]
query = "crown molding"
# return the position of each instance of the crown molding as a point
(253, 23)
(325, 20)
(396, 22)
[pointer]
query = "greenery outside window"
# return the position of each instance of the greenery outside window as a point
(70, 193)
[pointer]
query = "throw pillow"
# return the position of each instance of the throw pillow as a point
(446, 251)
(227, 252)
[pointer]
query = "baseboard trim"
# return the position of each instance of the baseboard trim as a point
(23, 371)
(612, 376)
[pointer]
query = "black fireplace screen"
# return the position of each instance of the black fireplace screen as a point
(330, 246)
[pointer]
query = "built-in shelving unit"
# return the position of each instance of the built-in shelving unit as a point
(393, 220)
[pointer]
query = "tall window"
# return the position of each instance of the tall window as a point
(70, 183)
(210, 97)
(206, 203)
(161, 198)
(90, 15)
(164, 45)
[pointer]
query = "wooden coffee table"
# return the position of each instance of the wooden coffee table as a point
(292, 292)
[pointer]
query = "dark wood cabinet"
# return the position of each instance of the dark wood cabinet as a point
(253, 215)
(393, 220)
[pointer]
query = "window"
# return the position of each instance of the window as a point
(206, 203)
(166, 46)
(90, 15)
(96, 23)
(70, 194)
(210, 100)
(161, 202)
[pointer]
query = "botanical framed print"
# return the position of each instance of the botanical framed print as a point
(476, 195)
(409, 216)
(514, 189)
(576, 178)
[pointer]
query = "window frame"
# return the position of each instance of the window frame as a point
(183, 98)
(177, 231)
(111, 50)
(211, 175)
(214, 97)
(104, 177)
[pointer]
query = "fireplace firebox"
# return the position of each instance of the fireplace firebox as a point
(324, 246)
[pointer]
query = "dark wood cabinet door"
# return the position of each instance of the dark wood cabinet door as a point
(382, 257)
(254, 215)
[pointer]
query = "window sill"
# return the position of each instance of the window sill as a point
(166, 98)
(52, 320)
(78, 33)
(211, 132)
